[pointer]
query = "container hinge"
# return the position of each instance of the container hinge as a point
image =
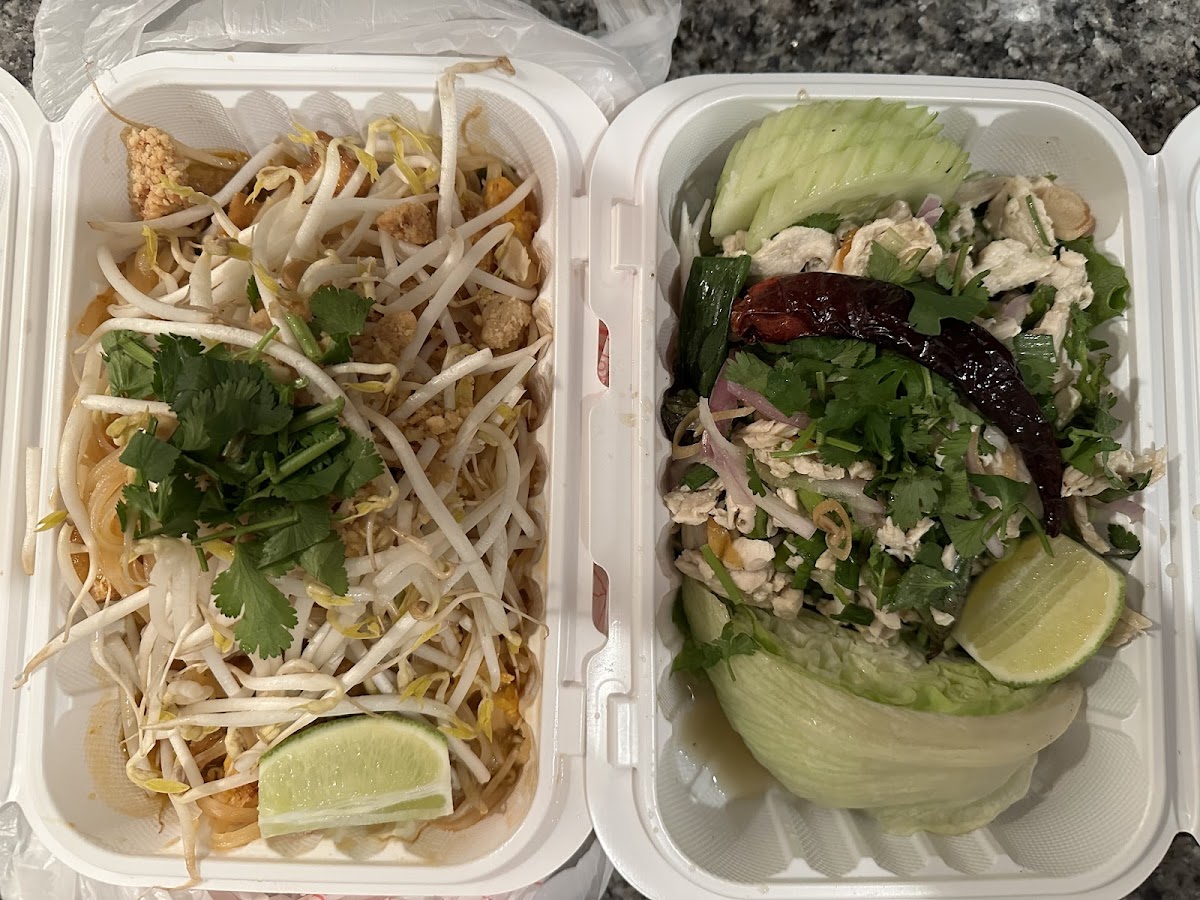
(627, 245)
(622, 730)
(581, 230)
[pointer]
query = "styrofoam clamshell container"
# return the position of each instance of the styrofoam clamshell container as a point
(54, 178)
(1107, 798)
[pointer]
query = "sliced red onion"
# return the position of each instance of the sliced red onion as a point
(995, 546)
(762, 405)
(1126, 506)
(1016, 308)
(931, 210)
(729, 461)
(792, 520)
(850, 491)
(722, 398)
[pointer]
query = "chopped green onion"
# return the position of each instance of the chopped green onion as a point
(1037, 222)
(840, 444)
(723, 576)
(304, 336)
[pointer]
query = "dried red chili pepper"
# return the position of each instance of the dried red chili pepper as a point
(979, 366)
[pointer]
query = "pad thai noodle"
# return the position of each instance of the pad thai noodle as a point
(299, 478)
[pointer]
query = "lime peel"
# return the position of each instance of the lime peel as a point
(1033, 618)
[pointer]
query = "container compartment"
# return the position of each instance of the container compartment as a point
(85, 813)
(1094, 819)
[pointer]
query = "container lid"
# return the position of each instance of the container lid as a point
(1180, 191)
(25, 160)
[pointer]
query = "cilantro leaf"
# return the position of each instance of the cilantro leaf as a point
(312, 525)
(825, 221)
(173, 351)
(914, 497)
(1038, 361)
(732, 641)
(749, 371)
(1040, 302)
(1125, 544)
(884, 265)
(365, 465)
(172, 508)
(923, 587)
(753, 478)
(824, 353)
(311, 483)
(326, 562)
(697, 477)
(267, 618)
(970, 536)
(129, 363)
(854, 614)
(932, 304)
(1084, 445)
(337, 351)
(211, 414)
(154, 459)
(788, 389)
(1009, 492)
(338, 311)
(941, 230)
(1109, 284)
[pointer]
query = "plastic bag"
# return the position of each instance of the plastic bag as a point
(631, 56)
(29, 872)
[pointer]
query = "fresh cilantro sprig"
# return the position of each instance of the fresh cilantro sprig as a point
(243, 464)
(945, 296)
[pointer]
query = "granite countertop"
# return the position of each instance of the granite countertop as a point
(1138, 58)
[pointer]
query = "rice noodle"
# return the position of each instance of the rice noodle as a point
(434, 621)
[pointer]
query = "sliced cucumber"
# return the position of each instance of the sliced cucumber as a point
(858, 181)
(776, 146)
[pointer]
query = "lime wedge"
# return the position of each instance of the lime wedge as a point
(1032, 617)
(358, 770)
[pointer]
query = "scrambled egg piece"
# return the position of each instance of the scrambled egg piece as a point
(523, 218)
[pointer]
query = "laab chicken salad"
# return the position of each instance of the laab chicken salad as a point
(903, 508)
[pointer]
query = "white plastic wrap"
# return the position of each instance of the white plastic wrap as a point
(631, 56)
(29, 872)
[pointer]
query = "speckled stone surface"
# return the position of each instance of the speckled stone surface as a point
(1138, 58)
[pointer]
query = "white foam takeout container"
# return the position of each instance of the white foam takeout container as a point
(56, 736)
(1108, 797)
